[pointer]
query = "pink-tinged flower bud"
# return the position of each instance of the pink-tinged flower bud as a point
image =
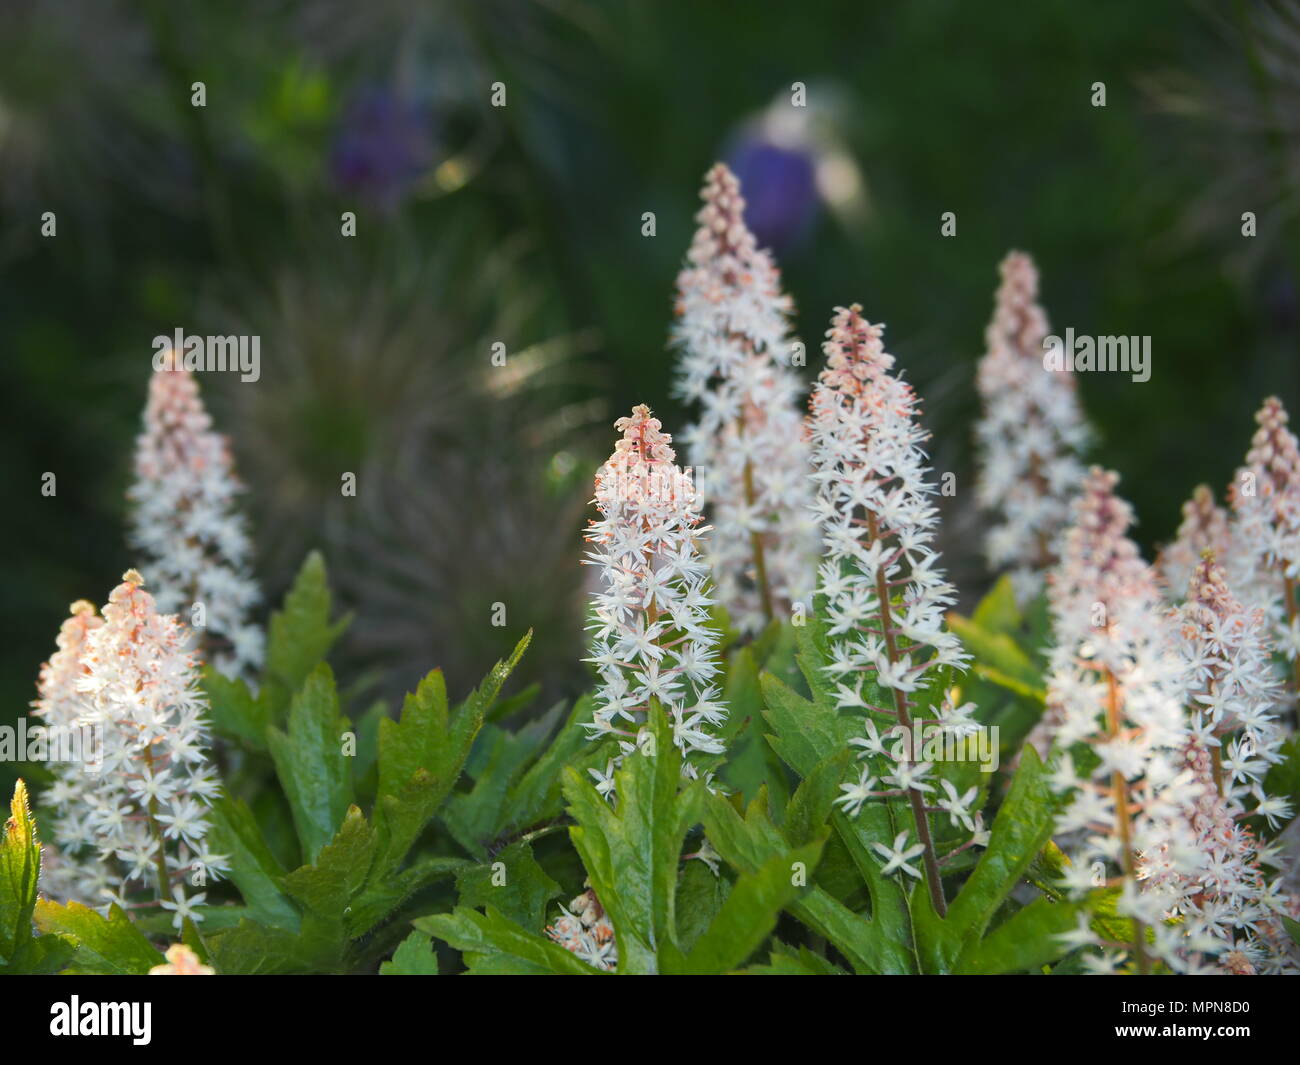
(748, 449)
(182, 961)
(1029, 436)
(585, 930)
(1204, 528)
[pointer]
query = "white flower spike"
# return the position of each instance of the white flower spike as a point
(1030, 435)
(885, 595)
(748, 446)
(651, 632)
(134, 831)
(1117, 684)
(193, 541)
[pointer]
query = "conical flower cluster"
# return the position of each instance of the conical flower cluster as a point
(747, 447)
(1117, 684)
(1265, 496)
(60, 707)
(1233, 902)
(1030, 434)
(1235, 737)
(651, 634)
(192, 539)
(1235, 694)
(885, 594)
(135, 827)
(874, 508)
(1204, 528)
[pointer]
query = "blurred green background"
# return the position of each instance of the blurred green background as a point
(523, 225)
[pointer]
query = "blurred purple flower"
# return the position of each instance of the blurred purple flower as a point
(382, 148)
(780, 189)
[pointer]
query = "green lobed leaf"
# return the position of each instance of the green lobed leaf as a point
(380, 898)
(422, 755)
(299, 635)
(1022, 827)
(326, 891)
(414, 956)
(807, 733)
(20, 865)
(511, 882)
(234, 710)
(812, 804)
(750, 911)
(1023, 943)
(482, 935)
(700, 894)
(786, 961)
(497, 761)
(102, 946)
(804, 732)
(313, 770)
(329, 884)
(747, 843)
(998, 610)
(632, 851)
(750, 762)
(538, 794)
(251, 949)
(253, 868)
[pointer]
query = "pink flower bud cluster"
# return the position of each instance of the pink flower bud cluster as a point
(584, 929)
(1204, 528)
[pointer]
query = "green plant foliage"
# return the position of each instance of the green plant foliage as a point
(20, 863)
(899, 931)
(300, 634)
(491, 943)
(299, 637)
(444, 839)
(632, 853)
(513, 882)
(355, 872)
(310, 763)
(100, 945)
(415, 957)
(957, 942)
(1007, 645)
